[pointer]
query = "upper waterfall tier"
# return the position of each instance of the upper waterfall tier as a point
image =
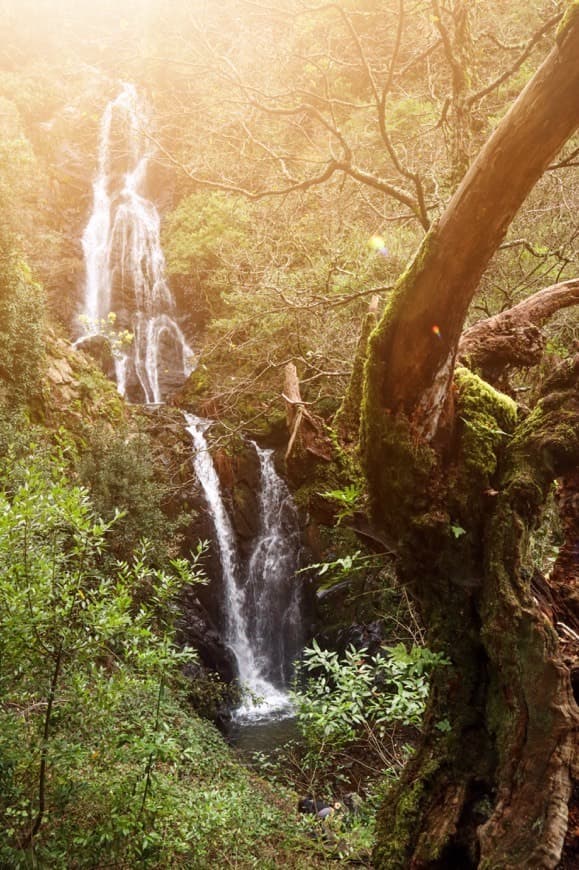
(125, 266)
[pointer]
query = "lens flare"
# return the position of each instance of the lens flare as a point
(377, 244)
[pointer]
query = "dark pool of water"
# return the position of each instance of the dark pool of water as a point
(264, 736)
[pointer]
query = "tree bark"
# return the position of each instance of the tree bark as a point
(565, 577)
(491, 791)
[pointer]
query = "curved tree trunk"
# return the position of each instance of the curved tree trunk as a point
(429, 306)
(457, 482)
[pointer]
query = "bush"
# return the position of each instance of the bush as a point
(21, 327)
(118, 468)
(343, 697)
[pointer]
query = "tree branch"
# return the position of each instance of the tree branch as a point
(427, 313)
(517, 63)
(513, 337)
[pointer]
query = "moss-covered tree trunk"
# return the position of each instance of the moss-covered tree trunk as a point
(457, 482)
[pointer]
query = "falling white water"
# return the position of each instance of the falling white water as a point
(125, 266)
(273, 599)
(263, 614)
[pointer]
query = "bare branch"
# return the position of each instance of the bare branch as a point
(518, 62)
(565, 162)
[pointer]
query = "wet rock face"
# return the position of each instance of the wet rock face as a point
(243, 499)
(245, 512)
(197, 630)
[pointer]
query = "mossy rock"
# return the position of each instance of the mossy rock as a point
(76, 395)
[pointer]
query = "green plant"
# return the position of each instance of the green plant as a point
(21, 326)
(118, 339)
(72, 638)
(348, 498)
(343, 568)
(118, 468)
(343, 697)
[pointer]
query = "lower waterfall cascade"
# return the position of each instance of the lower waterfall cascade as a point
(262, 604)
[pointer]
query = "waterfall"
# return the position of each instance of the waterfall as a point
(126, 290)
(125, 285)
(262, 604)
(273, 600)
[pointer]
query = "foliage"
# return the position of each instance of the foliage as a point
(202, 238)
(201, 229)
(339, 569)
(74, 649)
(348, 498)
(21, 327)
(118, 339)
(357, 716)
(343, 697)
(119, 470)
(99, 764)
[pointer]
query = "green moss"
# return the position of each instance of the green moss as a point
(569, 19)
(545, 446)
(488, 419)
(321, 477)
(399, 469)
(398, 820)
(197, 385)
(519, 645)
(347, 420)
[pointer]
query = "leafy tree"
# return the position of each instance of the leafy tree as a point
(202, 236)
(73, 642)
(118, 468)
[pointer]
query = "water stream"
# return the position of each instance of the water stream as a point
(262, 604)
(125, 286)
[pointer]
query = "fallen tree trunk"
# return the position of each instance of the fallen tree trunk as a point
(513, 337)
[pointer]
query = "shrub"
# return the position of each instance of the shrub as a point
(21, 327)
(344, 697)
(118, 468)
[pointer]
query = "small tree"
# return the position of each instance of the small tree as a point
(75, 646)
